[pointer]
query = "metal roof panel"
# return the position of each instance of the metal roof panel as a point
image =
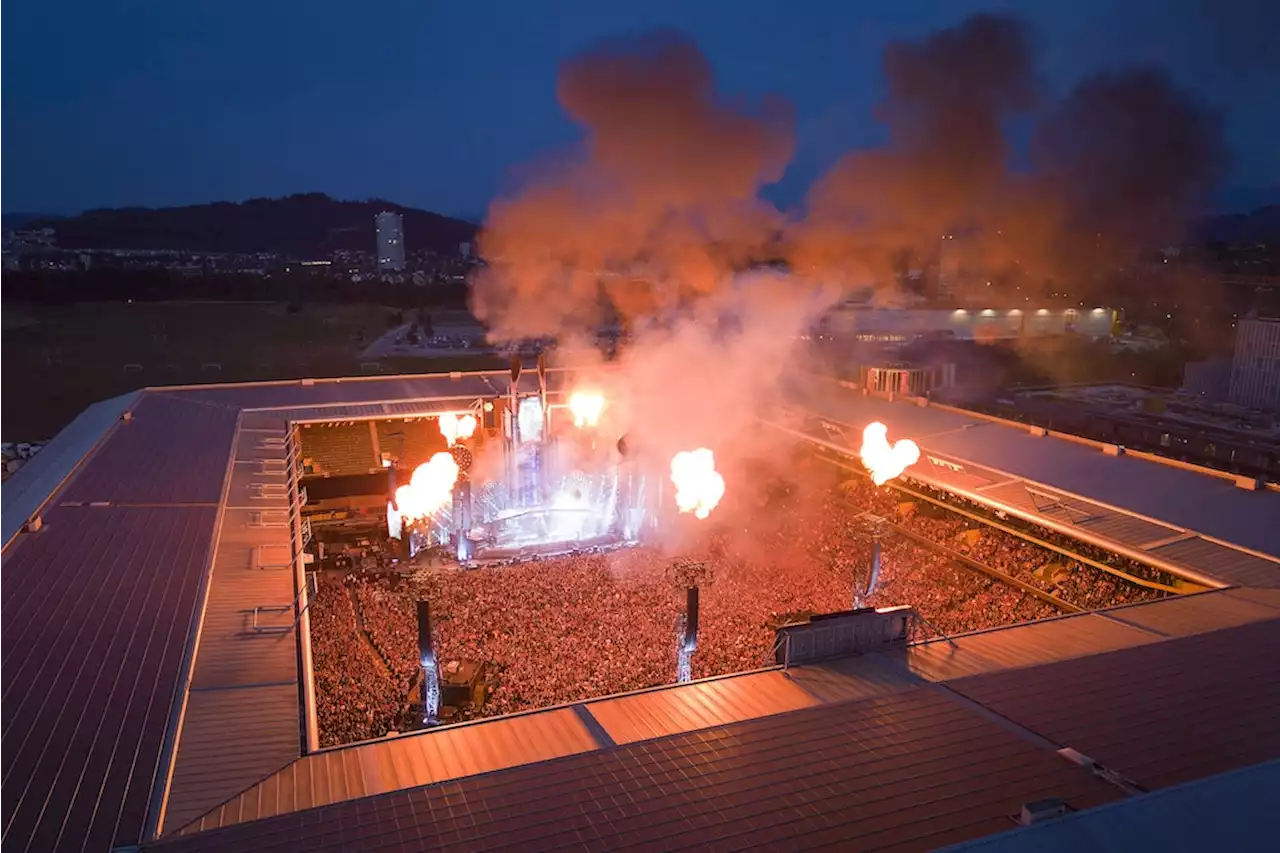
(1022, 646)
(173, 451)
(97, 609)
(1216, 697)
(714, 702)
(1209, 504)
(407, 761)
(913, 769)
(1230, 564)
(1183, 615)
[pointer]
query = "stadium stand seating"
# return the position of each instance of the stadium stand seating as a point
(338, 449)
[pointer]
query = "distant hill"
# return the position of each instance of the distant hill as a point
(1260, 226)
(10, 221)
(304, 225)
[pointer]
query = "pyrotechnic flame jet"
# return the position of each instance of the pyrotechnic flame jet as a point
(453, 427)
(883, 460)
(699, 487)
(430, 487)
(587, 406)
(394, 525)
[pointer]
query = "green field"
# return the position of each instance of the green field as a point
(58, 360)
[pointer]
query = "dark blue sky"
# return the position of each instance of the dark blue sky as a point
(437, 104)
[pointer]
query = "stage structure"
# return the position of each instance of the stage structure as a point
(687, 637)
(870, 528)
(533, 478)
(430, 667)
(833, 635)
(566, 486)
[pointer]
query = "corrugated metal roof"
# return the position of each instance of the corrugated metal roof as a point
(33, 483)
(323, 392)
(1005, 490)
(243, 717)
(1268, 597)
(852, 678)
(911, 770)
(657, 713)
(258, 487)
(1238, 566)
(1160, 713)
(230, 739)
(97, 607)
(173, 451)
(345, 411)
(231, 653)
(1022, 646)
(1232, 811)
(1180, 497)
(419, 407)
(1181, 616)
(337, 775)
(267, 422)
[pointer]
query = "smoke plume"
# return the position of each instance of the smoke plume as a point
(658, 207)
(654, 218)
(1118, 163)
(1127, 156)
(945, 168)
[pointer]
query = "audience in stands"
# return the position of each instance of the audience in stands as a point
(568, 628)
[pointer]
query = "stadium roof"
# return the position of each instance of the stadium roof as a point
(889, 750)
(151, 684)
(1171, 819)
(1160, 511)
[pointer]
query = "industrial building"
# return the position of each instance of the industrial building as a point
(1255, 368)
(893, 325)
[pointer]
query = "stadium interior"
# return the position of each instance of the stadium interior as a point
(377, 599)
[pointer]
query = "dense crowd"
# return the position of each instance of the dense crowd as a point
(356, 697)
(1068, 579)
(567, 628)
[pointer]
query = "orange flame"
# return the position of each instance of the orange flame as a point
(883, 460)
(587, 406)
(699, 487)
(453, 427)
(430, 487)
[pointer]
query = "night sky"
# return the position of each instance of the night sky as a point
(441, 105)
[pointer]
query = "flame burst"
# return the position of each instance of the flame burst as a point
(587, 406)
(430, 487)
(453, 427)
(699, 487)
(883, 460)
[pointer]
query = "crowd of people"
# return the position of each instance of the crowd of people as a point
(1057, 574)
(567, 628)
(357, 698)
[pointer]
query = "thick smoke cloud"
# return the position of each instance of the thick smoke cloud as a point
(655, 219)
(1118, 163)
(659, 207)
(1128, 155)
(945, 168)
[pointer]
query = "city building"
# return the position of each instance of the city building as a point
(1255, 370)
(894, 325)
(390, 235)
(1209, 379)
